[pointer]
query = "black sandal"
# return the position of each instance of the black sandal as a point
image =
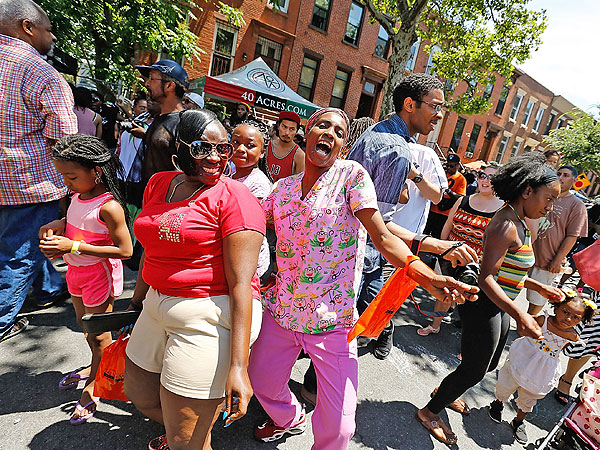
(561, 397)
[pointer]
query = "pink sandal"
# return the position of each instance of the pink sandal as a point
(426, 331)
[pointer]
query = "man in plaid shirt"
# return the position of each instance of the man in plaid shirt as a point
(36, 109)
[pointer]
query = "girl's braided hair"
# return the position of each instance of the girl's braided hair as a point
(263, 129)
(90, 152)
(520, 172)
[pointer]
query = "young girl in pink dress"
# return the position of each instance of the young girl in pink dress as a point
(92, 239)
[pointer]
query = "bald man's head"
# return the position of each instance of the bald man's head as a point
(26, 20)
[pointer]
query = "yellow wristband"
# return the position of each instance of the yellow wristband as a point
(75, 247)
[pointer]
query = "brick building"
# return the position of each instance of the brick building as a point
(330, 53)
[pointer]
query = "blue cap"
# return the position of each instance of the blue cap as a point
(167, 67)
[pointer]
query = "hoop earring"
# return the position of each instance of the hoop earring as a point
(98, 178)
(227, 169)
(173, 159)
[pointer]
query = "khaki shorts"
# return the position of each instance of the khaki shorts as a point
(187, 341)
(544, 277)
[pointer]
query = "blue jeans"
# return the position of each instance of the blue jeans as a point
(22, 264)
(370, 285)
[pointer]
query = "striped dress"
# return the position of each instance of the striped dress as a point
(589, 334)
(514, 268)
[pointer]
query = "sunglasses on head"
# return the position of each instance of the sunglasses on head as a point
(202, 149)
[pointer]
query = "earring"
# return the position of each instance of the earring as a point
(173, 161)
(227, 170)
(97, 179)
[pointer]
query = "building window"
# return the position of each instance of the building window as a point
(429, 68)
(340, 87)
(550, 120)
(473, 140)
(528, 110)
(354, 24)
(270, 51)
(320, 18)
(280, 5)
(382, 46)
(487, 92)
(538, 118)
(224, 49)
(515, 148)
(502, 101)
(527, 149)
(308, 77)
(516, 106)
(502, 149)
(414, 50)
(458, 131)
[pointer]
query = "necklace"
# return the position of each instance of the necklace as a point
(189, 196)
(516, 214)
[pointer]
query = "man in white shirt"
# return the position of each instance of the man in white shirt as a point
(425, 185)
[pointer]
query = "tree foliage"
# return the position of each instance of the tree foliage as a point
(473, 40)
(579, 143)
(107, 36)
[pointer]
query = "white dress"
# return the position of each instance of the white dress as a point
(534, 363)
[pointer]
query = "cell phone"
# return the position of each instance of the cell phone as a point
(101, 322)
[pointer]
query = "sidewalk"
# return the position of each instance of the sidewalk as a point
(34, 413)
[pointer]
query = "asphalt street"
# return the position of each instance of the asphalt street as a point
(34, 413)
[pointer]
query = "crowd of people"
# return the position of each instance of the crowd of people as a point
(254, 245)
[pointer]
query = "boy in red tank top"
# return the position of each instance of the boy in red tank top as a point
(284, 157)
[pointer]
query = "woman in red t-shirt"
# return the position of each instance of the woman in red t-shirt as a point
(201, 308)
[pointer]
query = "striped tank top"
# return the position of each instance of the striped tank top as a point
(514, 268)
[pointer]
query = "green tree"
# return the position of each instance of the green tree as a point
(108, 36)
(473, 39)
(580, 142)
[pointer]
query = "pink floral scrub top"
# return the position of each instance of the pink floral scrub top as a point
(320, 248)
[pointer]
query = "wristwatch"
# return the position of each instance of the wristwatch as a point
(418, 178)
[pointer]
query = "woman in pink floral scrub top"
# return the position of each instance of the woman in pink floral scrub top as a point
(320, 217)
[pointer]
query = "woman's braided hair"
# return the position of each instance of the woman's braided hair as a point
(90, 152)
(263, 129)
(520, 172)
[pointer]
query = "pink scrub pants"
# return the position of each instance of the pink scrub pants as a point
(271, 360)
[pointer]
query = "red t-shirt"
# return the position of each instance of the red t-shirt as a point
(183, 241)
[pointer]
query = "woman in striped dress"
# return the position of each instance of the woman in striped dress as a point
(579, 354)
(529, 188)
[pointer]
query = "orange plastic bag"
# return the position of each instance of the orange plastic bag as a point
(110, 378)
(383, 307)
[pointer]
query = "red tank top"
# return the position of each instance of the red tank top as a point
(280, 167)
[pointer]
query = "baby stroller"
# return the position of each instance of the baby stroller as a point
(579, 427)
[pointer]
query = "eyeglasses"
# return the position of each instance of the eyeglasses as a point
(156, 79)
(483, 176)
(437, 107)
(202, 149)
(186, 101)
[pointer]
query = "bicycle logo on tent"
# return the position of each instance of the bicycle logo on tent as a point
(265, 79)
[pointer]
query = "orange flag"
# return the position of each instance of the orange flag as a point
(383, 307)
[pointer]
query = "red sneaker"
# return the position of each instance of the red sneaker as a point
(269, 432)
(159, 443)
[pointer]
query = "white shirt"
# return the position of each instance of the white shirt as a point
(413, 214)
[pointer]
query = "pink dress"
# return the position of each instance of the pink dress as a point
(91, 277)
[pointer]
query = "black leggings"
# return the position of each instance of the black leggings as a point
(484, 334)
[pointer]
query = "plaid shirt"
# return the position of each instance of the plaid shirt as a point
(36, 107)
